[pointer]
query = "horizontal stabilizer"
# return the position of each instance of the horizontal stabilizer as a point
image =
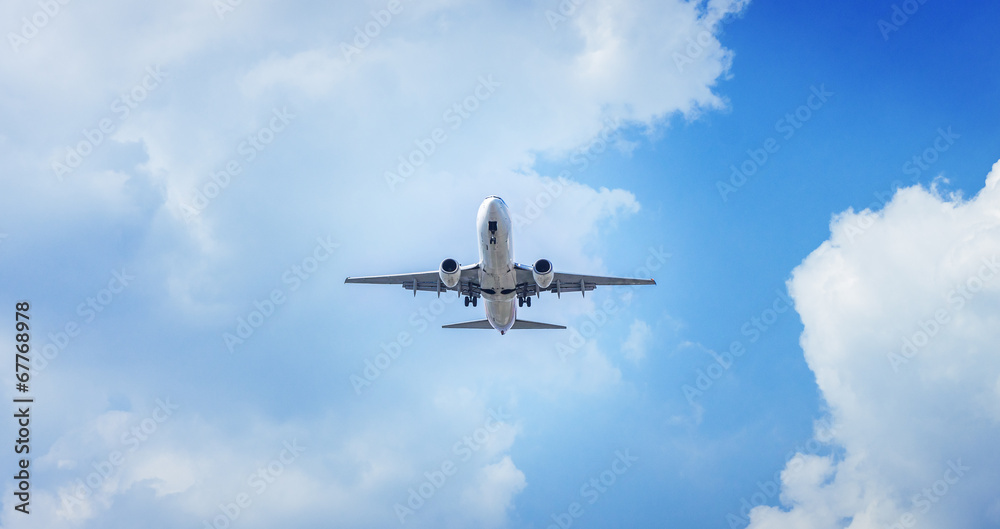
(524, 324)
(485, 324)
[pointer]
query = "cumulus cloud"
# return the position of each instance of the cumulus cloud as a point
(901, 309)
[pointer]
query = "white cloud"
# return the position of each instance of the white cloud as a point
(901, 310)
(634, 347)
(491, 496)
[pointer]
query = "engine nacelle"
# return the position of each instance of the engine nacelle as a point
(542, 272)
(450, 272)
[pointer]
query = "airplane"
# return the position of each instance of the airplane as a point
(496, 277)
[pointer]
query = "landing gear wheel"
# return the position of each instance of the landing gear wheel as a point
(475, 301)
(528, 301)
(520, 302)
(466, 301)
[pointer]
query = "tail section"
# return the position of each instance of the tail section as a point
(518, 324)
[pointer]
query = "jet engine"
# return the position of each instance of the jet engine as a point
(450, 272)
(542, 272)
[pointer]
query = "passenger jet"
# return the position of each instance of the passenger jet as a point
(497, 278)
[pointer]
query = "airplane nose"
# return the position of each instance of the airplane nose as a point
(495, 203)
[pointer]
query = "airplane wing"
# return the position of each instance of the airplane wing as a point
(563, 282)
(468, 284)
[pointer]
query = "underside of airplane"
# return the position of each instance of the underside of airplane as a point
(497, 278)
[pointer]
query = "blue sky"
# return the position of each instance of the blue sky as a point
(242, 174)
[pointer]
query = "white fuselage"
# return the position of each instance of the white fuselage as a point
(497, 279)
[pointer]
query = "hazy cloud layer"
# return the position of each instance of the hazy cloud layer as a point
(207, 151)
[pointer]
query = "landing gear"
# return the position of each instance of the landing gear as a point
(524, 301)
(470, 299)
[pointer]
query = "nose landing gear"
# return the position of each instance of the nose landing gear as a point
(471, 300)
(521, 301)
